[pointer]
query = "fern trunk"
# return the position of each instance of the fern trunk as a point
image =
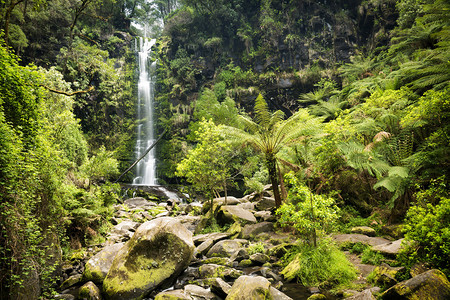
(271, 166)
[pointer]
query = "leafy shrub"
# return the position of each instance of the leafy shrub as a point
(427, 228)
(308, 213)
(319, 266)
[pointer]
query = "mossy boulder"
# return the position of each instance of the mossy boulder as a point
(252, 230)
(98, 266)
(89, 291)
(156, 254)
(432, 285)
(366, 230)
(224, 248)
(229, 214)
(254, 287)
(214, 271)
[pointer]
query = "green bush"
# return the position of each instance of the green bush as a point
(308, 213)
(371, 257)
(427, 228)
(324, 265)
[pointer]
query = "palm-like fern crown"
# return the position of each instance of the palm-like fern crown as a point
(268, 132)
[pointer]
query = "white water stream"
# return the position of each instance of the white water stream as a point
(146, 168)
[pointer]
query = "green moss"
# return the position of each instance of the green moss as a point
(218, 261)
(245, 263)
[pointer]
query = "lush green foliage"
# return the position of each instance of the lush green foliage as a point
(206, 166)
(310, 214)
(427, 227)
(324, 265)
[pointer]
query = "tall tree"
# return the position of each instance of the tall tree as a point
(268, 133)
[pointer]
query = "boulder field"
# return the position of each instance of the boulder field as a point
(168, 250)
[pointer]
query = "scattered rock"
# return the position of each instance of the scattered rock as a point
(266, 203)
(277, 295)
(317, 297)
(173, 295)
(253, 287)
(359, 238)
(419, 268)
(231, 214)
(265, 215)
(138, 202)
(71, 281)
(225, 248)
(251, 230)
(215, 236)
(204, 247)
(366, 230)
(64, 297)
(197, 292)
(259, 258)
(158, 252)
(98, 266)
(89, 291)
(220, 287)
(390, 248)
(229, 201)
(432, 284)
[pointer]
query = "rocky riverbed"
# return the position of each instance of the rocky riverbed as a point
(165, 250)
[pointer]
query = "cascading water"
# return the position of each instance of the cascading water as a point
(146, 168)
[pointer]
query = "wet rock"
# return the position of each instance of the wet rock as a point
(390, 248)
(277, 295)
(265, 215)
(203, 247)
(266, 203)
(71, 281)
(364, 295)
(98, 266)
(240, 255)
(215, 236)
(220, 287)
(89, 291)
(229, 201)
(359, 238)
(251, 230)
(173, 295)
(213, 271)
(138, 202)
(225, 248)
(253, 287)
(432, 284)
(199, 293)
(259, 258)
(156, 254)
(231, 214)
(366, 230)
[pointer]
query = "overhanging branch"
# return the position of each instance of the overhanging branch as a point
(67, 93)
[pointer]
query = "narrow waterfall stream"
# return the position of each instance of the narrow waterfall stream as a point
(146, 168)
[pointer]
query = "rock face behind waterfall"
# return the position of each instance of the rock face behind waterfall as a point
(156, 254)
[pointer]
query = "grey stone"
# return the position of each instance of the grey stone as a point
(215, 236)
(89, 291)
(173, 295)
(199, 293)
(359, 238)
(259, 258)
(432, 284)
(220, 287)
(225, 248)
(156, 254)
(364, 295)
(204, 247)
(265, 203)
(390, 248)
(98, 266)
(230, 213)
(251, 230)
(366, 230)
(277, 295)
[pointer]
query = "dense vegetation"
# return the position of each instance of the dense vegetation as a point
(345, 104)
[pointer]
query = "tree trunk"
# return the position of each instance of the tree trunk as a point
(271, 166)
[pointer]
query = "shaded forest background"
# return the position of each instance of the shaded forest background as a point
(374, 74)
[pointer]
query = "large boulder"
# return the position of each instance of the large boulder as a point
(98, 266)
(225, 248)
(432, 285)
(232, 213)
(252, 230)
(254, 287)
(156, 254)
(390, 248)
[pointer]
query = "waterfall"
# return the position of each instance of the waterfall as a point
(146, 168)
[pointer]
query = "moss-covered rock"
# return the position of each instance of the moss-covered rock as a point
(228, 214)
(71, 281)
(173, 295)
(366, 230)
(250, 287)
(98, 266)
(224, 248)
(89, 291)
(156, 254)
(214, 271)
(432, 285)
